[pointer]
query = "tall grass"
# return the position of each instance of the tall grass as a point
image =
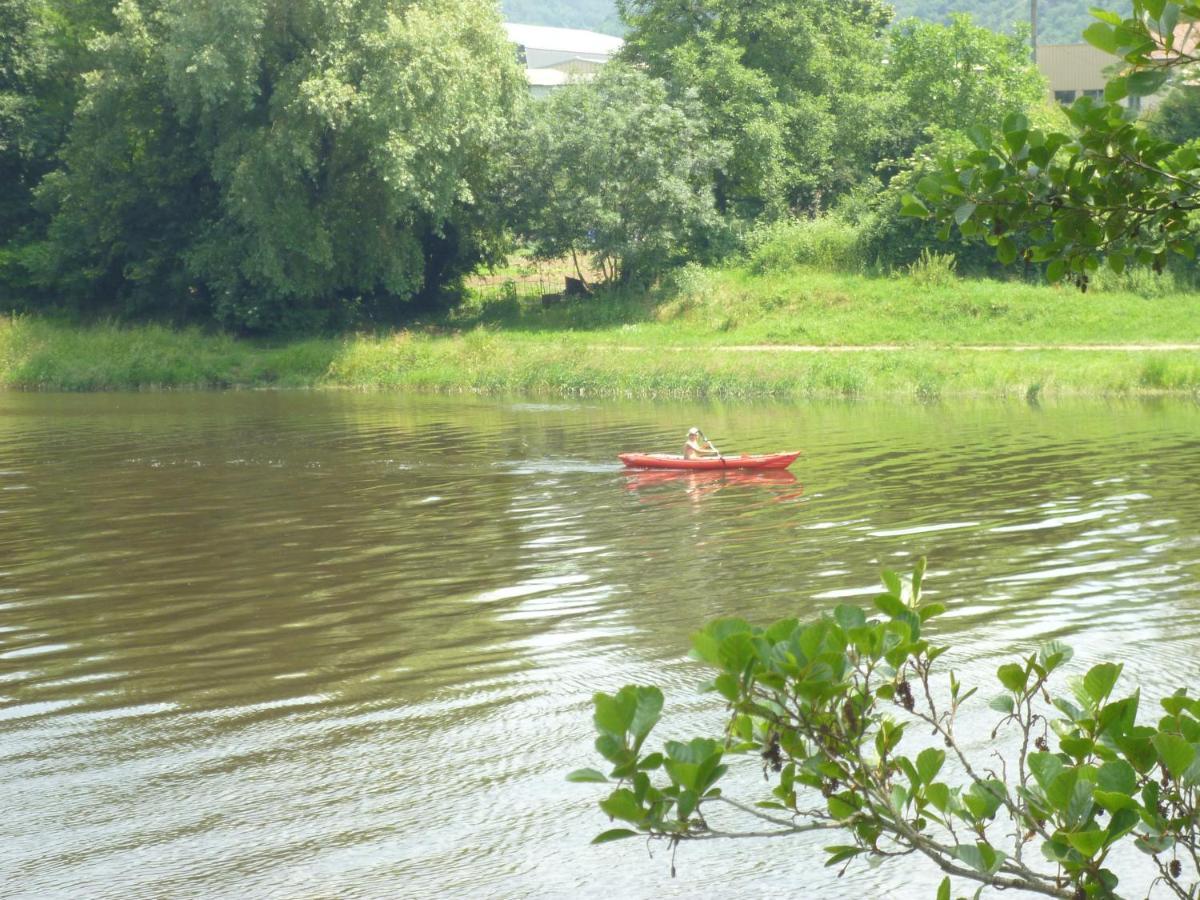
(826, 243)
(677, 343)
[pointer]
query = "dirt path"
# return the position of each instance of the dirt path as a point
(900, 348)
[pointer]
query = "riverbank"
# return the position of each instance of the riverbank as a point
(719, 334)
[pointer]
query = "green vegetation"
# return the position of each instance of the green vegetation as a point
(268, 165)
(627, 187)
(1105, 190)
(689, 340)
(856, 724)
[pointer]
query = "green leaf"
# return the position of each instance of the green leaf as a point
(964, 212)
(648, 763)
(1099, 680)
(1015, 122)
(841, 853)
(1146, 82)
(849, 617)
(1003, 703)
(840, 809)
(613, 834)
(1114, 801)
(1079, 807)
(1116, 262)
(918, 578)
(1006, 250)
(912, 206)
(1055, 270)
(943, 892)
(1117, 89)
(982, 857)
(983, 799)
(1053, 654)
(1117, 775)
(939, 795)
(980, 137)
(1175, 753)
(1013, 677)
(622, 804)
(892, 582)
(1102, 37)
(1088, 843)
(929, 763)
(586, 776)
(891, 605)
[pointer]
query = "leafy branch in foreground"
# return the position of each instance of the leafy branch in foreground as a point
(1110, 191)
(856, 727)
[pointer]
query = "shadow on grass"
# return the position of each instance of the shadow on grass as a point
(604, 309)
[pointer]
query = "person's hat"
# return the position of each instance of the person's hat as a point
(693, 431)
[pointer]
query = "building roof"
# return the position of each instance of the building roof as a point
(564, 40)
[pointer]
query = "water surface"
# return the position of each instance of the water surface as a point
(334, 645)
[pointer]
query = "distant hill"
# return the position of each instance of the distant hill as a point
(1059, 21)
(593, 15)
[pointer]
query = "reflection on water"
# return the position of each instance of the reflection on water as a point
(332, 645)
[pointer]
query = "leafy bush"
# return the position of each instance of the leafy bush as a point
(856, 723)
(826, 242)
(933, 269)
(628, 183)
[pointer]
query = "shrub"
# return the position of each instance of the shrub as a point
(855, 722)
(826, 242)
(933, 269)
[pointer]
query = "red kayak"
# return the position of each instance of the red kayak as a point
(675, 461)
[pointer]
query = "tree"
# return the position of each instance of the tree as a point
(613, 169)
(798, 89)
(857, 726)
(42, 58)
(951, 78)
(270, 163)
(1177, 118)
(1110, 191)
(958, 75)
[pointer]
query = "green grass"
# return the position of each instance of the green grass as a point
(678, 343)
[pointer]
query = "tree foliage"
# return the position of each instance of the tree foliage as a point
(273, 160)
(615, 170)
(958, 75)
(1108, 191)
(798, 89)
(1177, 118)
(856, 725)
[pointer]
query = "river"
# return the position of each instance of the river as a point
(342, 645)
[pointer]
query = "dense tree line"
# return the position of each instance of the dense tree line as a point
(266, 164)
(273, 165)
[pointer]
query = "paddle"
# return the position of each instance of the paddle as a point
(704, 437)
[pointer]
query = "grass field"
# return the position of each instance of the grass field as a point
(713, 333)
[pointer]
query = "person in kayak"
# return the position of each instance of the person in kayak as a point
(698, 446)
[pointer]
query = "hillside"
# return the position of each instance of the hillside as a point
(593, 15)
(1060, 21)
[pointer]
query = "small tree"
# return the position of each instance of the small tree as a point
(857, 724)
(1106, 191)
(611, 169)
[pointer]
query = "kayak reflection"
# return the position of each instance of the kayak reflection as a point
(700, 483)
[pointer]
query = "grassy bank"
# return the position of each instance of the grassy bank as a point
(687, 342)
